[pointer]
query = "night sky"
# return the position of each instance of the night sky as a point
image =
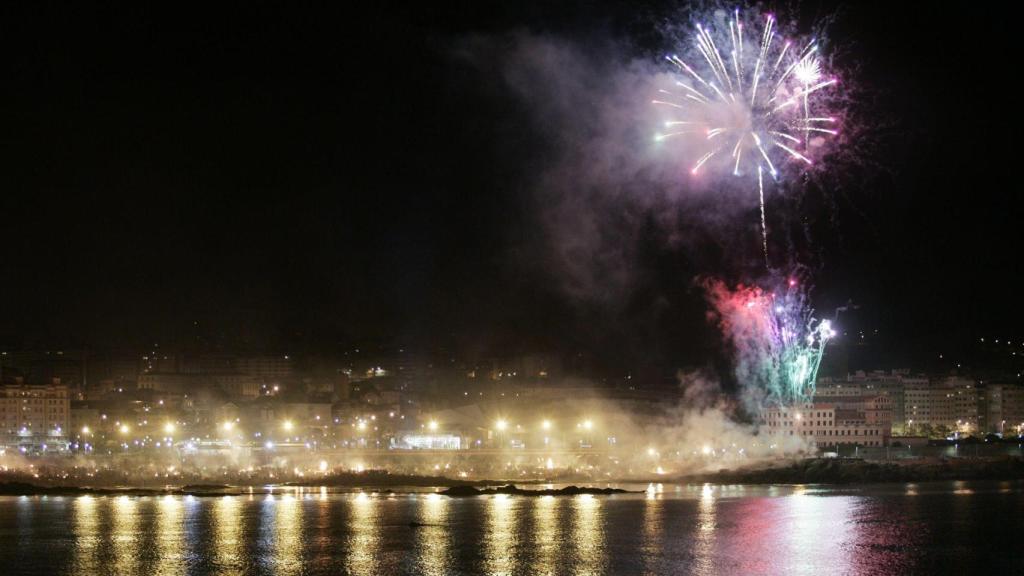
(269, 178)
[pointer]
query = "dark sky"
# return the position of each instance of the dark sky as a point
(269, 177)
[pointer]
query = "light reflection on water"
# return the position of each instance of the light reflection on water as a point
(922, 528)
(705, 537)
(545, 534)
(228, 540)
(588, 536)
(501, 540)
(169, 537)
(433, 538)
(125, 535)
(364, 539)
(288, 535)
(87, 536)
(822, 531)
(654, 512)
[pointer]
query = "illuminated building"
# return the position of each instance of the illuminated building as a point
(438, 441)
(1001, 409)
(951, 404)
(34, 417)
(823, 425)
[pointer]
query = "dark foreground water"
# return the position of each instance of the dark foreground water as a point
(953, 528)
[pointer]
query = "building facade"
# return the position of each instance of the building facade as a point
(34, 417)
(948, 404)
(822, 425)
(1001, 409)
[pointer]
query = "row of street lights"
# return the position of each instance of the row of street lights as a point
(501, 425)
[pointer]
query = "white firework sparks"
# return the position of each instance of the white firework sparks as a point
(748, 104)
(807, 71)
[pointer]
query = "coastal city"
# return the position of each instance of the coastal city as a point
(163, 416)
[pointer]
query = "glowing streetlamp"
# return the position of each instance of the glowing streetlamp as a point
(501, 425)
(86, 431)
(432, 425)
(228, 426)
(124, 429)
(546, 425)
(288, 425)
(169, 428)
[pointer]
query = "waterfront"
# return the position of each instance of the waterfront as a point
(951, 527)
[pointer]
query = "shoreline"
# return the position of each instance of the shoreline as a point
(839, 472)
(820, 471)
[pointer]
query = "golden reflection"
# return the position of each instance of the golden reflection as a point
(364, 542)
(288, 535)
(432, 538)
(654, 511)
(545, 541)
(125, 536)
(655, 490)
(704, 548)
(87, 536)
(169, 537)
(322, 548)
(500, 543)
(227, 548)
(588, 534)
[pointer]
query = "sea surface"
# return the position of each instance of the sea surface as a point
(934, 528)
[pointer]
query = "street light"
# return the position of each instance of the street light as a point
(228, 426)
(432, 425)
(588, 425)
(546, 425)
(85, 431)
(169, 428)
(501, 425)
(287, 425)
(124, 429)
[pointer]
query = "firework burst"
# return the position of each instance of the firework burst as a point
(777, 342)
(750, 103)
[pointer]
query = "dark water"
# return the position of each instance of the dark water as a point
(953, 528)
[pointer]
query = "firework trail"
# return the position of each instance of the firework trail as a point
(747, 103)
(778, 345)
